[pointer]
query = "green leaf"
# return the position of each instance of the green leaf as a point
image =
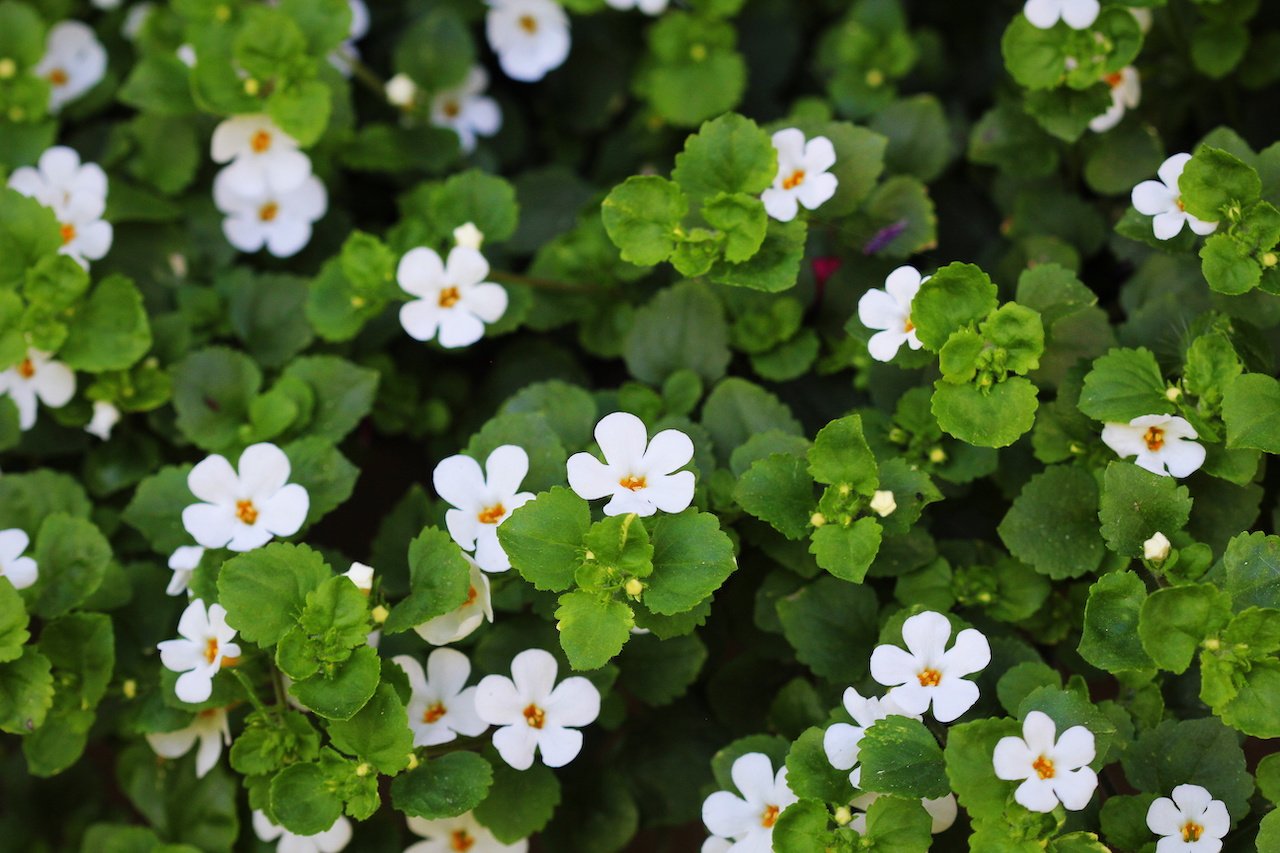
(900, 756)
(847, 552)
(156, 508)
(72, 556)
(28, 231)
(519, 803)
(303, 801)
(265, 590)
(437, 51)
(693, 72)
(344, 394)
(13, 623)
(340, 694)
(810, 774)
(379, 733)
(778, 489)
(443, 787)
(658, 671)
(1213, 180)
(803, 826)
(995, 416)
(969, 768)
(1137, 504)
(1052, 524)
(320, 468)
(832, 626)
(109, 331)
(439, 581)
(1200, 752)
(730, 154)
(743, 221)
(212, 391)
(1252, 564)
(266, 313)
(1125, 384)
(1240, 676)
(683, 327)
(532, 432)
(840, 457)
(692, 557)
(775, 267)
(182, 808)
(1228, 265)
(22, 34)
(26, 692)
(1110, 636)
(896, 825)
(1248, 409)
(737, 409)
(953, 297)
(1174, 621)
(543, 538)
(593, 629)
(642, 216)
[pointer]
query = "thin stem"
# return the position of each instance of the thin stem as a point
(545, 283)
(367, 76)
(250, 691)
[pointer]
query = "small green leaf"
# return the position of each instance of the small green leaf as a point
(840, 456)
(778, 489)
(847, 552)
(692, 557)
(730, 154)
(1213, 180)
(995, 416)
(900, 756)
(832, 626)
(1173, 622)
(593, 629)
(443, 787)
(1137, 504)
(642, 216)
(1125, 384)
(439, 581)
(1110, 636)
(519, 803)
(379, 732)
(72, 556)
(543, 538)
(339, 694)
(303, 801)
(1249, 406)
(953, 297)
(1052, 524)
(265, 591)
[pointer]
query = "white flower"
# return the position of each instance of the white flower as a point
(803, 176)
(209, 727)
(360, 575)
(21, 571)
(441, 707)
(1079, 14)
(1144, 17)
(841, 740)
(929, 672)
(74, 62)
(37, 379)
(536, 713)
(105, 416)
(531, 37)
(263, 157)
(464, 619)
(942, 812)
(135, 19)
(468, 236)
(748, 820)
(883, 503)
(244, 511)
(1054, 770)
(1163, 200)
(1192, 822)
(463, 832)
(1161, 443)
(184, 562)
(1126, 94)
(281, 221)
(347, 54)
(649, 7)
(716, 844)
(467, 111)
(401, 90)
(638, 475)
(331, 840)
(1156, 549)
(454, 302)
(204, 648)
(482, 500)
(890, 311)
(107, 4)
(77, 195)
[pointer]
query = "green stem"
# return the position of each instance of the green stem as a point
(367, 77)
(250, 691)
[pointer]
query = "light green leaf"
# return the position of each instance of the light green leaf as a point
(692, 557)
(543, 538)
(265, 590)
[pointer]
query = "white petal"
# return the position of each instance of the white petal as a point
(970, 653)
(1075, 787)
(1183, 458)
(1168, 225)
(55, 384)
(285, 513)
(1199, 226)
(1171, 169)
(1164, 818)
(499, 703)
(420, 272)
(753, 776)
(459, 480)
(516, 744)
(22, 572)
(840, 742)
(534, 673)
(465, 267)
(263, 470)
(447, 672)
(780, 204)
(574, 702)
(1124, 439)
(891, 666)
(559, 746)
(1011, 759)
(246, 538)
(1043, 13)
(728, 816)
(1192, 800)
(819, 155)
(789, 143)
(1075, 748)
(505, 469)
(13, 542)
(1036, 794)
(459, 329)
(287, 236)
(926, 635)
(209, 524)
(1040, 732)
(487, 301)
(194, 686)
(817, 190)
(288, 170)
(672, 493)
(209, 752)
(590, 478)
(952, 698)
(883, 346)
(421, 319)
(1153, 197)
(669, 451)
(489, 552)
(1080, 14)
(622, 438)
(878, 309)
(172, 744)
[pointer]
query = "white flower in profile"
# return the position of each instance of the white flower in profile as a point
(466, 110)
(1162, 444)
(466, 617)
(1079, 14)
(209, 728)
(34, 380)
(1054, 769)
(454, 302)
(748, 820)
(77, 195)
(942, 812)
(360, 575)
(1191, 822)
(242, 511)
(482, 500)
(649, 7)
(74, 62)
(535, 713)
(530, 37)
(442, 706)
(638, 475)
(1126, 94)
(928, 672)
(204, 647)
(1163, 200)
(803, 176)
(889, 310)
(21, 571)
(841, 740)
(281, 221)
(105, 417)
(184, 561)
(263, 157)
(463, 832)
(332, 840)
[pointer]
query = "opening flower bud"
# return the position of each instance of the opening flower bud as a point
(883, 504)
(1156, 549)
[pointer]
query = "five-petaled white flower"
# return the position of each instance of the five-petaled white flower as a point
(463, 832)
(533, 712)
(262, 156)
(638, 475)
(482, 500)
(34, 380)
(466, 110)
(332, 840)
(184, 562)
(281, 221)
(21, 571)
(454, 302)
(1126, 94)
(1055, 769)
(841, 740)
(803, 177)
(929, 672)
(1161, 443)
(105, 417)
(77, 195)
(942, 812)
(243, 511)
(1163, 200)
(466, 617)
(1079, 14)
(748, 820)
(531, 37)
(441, 707)
(209, 727)
(1191, 822)
(889, 310)
(649, 7)
(204, 648)
(74, 62)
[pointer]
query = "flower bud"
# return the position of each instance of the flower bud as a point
(883, 504)
(380, 614)
(401, 90)
(468, 236)
(634, 587)
(1156, 549)
(362, 576)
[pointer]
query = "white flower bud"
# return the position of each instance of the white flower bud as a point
(468, 236)
(401, 90)
(883, 504)
(1156, 549)
(361, 575)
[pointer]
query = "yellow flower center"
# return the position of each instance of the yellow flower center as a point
(26, 369)
(246, 512)
(59, 77)
(260, 142)
(929, 677)
(434, 712)
(908, 327)
(528, 23)
(68, 232)
(769, 817)
(1154, 437)
(491, 515)
(632, 482)
(1191, 831)
(269, 211)
(449, 297)
(796, 179)
(471, 596)
(461, 841)
(535, 716)
(1043, 767)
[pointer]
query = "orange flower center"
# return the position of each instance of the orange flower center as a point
(1043, 767)
(1154, 437)
(1114, 79)
(1180, 205)
(796, 179)
(26, 369)
(68, 232)
(528, 23)
(769, 817)
(471, 596)
(211, 650)
(449, 297)
(929, 678)
(59, 77)
(246, 512)
(632, 482)
(434, 712)
(908, 326)
(1191, 831)
(269, 211)
(535, 716)
(260, 142)
(451, 109)
(491, 515)
(461, 841)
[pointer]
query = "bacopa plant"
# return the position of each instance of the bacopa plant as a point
(599, 425)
